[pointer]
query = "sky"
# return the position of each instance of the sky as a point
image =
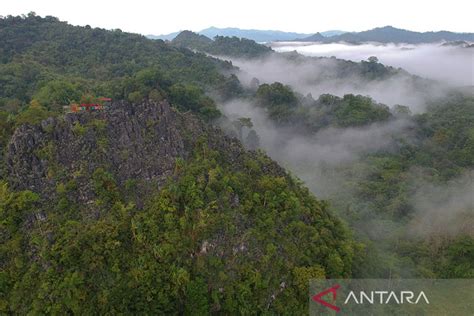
(305, 16)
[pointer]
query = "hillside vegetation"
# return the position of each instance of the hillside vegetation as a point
(55, 63)
(148, 207)
(143, 208)
(221, 45)
(410, 202)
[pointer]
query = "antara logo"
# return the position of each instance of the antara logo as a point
(386, 297)
(371, 297)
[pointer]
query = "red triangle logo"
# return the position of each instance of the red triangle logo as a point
(318, 297)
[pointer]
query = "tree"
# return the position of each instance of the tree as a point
(155, 95)
(276, 94)
(135, 97)
(196, 298)
(231, 88)
(401, 110)
(192, 98)
(33, 114)
(239, 125)
(373, 59)
(57, 93)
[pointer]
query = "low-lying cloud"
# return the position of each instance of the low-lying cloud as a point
(326, 75)
(445, 210)
(453, 65)
(323, 160)
(310, 157)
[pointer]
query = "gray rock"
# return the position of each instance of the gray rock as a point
(131, 141)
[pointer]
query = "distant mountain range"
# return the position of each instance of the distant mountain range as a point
(387, 34)
(318, 37)
(165, 37)
(256, 35)
(390, 34)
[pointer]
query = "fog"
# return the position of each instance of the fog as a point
(327, 75)
(332, 162)
(453, 65)
(315, 159)
(444, 209)
(327, 163)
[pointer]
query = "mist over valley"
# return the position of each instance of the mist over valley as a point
(451, 64)
(210, 173)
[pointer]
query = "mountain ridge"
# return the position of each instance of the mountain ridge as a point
(252, 34)
(385, 34)
(390, 34)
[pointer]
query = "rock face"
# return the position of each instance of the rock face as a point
(133, 142)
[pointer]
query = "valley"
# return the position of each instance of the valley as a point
(218, 175)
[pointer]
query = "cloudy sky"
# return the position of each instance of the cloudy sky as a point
(309, 16)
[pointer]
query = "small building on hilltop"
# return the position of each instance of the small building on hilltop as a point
(99, 105)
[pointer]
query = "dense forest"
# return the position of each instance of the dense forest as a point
(143, 208)
(374, 193)
(55, 64)
(90, 225)
(154, 206)
(221, 45)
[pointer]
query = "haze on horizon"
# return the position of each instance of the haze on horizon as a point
(301, 16)
(451, 65)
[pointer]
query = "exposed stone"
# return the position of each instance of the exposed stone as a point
(132, 141)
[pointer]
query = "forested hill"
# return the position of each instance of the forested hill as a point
(145, 207)
(221, 45)
(141, 209)
(56, 63)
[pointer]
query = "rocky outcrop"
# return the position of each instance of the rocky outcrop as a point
(131, 141)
